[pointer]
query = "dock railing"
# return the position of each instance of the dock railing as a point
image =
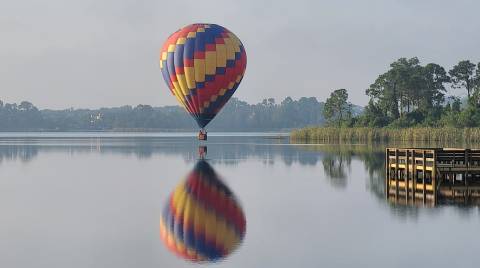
(418, 173)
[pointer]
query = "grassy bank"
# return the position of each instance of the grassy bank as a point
(366, 135)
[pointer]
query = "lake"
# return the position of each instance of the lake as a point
(100, 199)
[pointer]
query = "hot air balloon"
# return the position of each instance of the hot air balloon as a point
(203, 64)
(202, 221)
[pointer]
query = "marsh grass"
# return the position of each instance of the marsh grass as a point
(385, 135)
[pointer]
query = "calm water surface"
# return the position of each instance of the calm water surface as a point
(86, 200)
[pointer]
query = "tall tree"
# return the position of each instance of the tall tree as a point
(476, 86)
(337, 108)
(462, 76)
(435, 79)
(383, 93)
(408, 80)
(399, 89)
(406, 89)
(477, 77)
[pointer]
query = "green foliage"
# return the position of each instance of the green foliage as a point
(406, 88)
(462, 76)
(408, 104)
(433, 89)
(372, 116)
(236, 116)
(407, 95)
(22, 117)
(404, 121)
(337, 108)
(410, 94)
(476, 86)
(268, 115)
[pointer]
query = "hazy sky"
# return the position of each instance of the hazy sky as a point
(93, 53)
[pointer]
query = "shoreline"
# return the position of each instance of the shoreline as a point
(157, 134)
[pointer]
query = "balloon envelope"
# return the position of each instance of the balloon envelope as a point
(202, 220)
(203, 64)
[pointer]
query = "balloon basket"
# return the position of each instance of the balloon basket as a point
(202, 135)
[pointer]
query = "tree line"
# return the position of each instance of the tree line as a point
(407, 94)
(410, 94)
(237, 115)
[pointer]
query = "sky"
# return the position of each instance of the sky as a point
(103, 53)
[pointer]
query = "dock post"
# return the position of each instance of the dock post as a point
(467, 165)
(396, 173)
(414, 175)
(387, 172)
(434, 178)
(423, 176)
(407, 175)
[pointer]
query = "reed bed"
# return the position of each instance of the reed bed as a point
(367, 135)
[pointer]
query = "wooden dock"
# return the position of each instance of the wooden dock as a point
(432, 175)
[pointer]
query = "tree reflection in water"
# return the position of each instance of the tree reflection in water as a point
(23, 153)
(335, 168)
(336, 159)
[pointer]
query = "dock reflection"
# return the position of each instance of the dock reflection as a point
(431, 177)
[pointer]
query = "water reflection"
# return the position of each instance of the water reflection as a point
(335, 167)
(416, 177)
(329, 198)
(22, 153)
(336, 160)
(229, 151)
(202, 220)
(447, 193)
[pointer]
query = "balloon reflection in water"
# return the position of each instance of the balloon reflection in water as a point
(202, 220)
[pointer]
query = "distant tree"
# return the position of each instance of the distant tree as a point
(268, 114)
(310, 111)
(337, 108)
(462, 76)
(26, 106)
(21, 117)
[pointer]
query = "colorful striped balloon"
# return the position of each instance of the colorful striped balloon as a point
(203, 64)
(202, 220)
